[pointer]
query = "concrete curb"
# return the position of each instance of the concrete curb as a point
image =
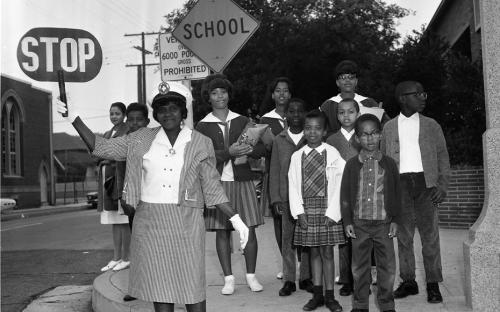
(42, 211)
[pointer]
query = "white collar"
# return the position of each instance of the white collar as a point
(211, 117)
(414, 117)
(273, 114)
(319, 149)
(290, 133)
(183, 137)
(358, 98)
(347, 134)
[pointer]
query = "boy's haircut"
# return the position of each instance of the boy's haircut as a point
(317, 114)
(136, 107)
(295, 100)
(346, 67)
(356, 104)
(365, 118)
(403, 86)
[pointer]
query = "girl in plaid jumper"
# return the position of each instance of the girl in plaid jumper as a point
(314, 178)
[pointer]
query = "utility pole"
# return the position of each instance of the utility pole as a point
(141, 82)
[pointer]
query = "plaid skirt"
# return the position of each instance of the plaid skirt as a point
(317, 233)
(243, 199)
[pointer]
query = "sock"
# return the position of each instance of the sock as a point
(329, 294)
(317, 291)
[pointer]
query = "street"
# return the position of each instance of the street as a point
(41, 253)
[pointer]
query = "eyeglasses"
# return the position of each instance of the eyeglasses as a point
(346, 77)
(421, 94)
(374, 134)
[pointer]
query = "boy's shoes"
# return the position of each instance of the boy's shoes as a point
(433, 293)
(333, 305)
(228, 288)
(253, 283)
(405, 289)
(306, 285)
(314, 303)
(129, 298)
(287, 289)
(345, 290)
(360, 310)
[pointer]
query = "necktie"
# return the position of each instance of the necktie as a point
(225, 124)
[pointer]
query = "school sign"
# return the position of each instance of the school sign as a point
(215, 30)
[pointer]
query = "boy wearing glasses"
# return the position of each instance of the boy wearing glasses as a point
(418, 145)
(370, 199)
(346, 74)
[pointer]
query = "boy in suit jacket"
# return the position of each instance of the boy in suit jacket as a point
(418, 145)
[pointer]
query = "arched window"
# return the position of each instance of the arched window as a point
(11, 138)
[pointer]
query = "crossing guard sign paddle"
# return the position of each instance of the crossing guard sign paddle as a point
(215, 30)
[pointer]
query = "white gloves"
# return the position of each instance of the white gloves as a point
(242, 229)
(70, 109)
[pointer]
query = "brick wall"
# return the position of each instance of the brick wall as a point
(464, 200)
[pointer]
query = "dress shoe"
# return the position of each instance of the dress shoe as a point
(433, 293)
(333, 305)
(405, 289)
(279, 275)
(314, 303)
(129, 298)
(345, 290)
(111, 264)
(228, 288)
(253, 283)
(306, 285)
(121, 266)
(287, 289)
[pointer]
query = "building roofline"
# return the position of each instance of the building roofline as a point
(437, 14)
(49, 92)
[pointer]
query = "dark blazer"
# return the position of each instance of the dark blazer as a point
(213, 131)
(276, 128)
(283, 148)
(435, 159)
(199, 184)
(350, 186)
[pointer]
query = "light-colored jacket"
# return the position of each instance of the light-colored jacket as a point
(435, 159)
(199, 184)
(334, 169)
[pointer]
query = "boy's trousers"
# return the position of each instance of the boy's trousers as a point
(373, 235)
(418, 210)
(289, 252)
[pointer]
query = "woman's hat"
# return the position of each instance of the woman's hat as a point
(170, 92)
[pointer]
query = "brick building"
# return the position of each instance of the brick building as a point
(26, 126)
(458, 22)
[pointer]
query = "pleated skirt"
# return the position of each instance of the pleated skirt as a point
(317, 233)
(243, 199)
(167, 254)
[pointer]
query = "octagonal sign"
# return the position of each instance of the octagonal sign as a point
(215, 30)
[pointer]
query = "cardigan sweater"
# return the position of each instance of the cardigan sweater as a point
(200, 182)
(347, 149)
(435, 159)
(212, 130)
(350, 187)
(283, 148)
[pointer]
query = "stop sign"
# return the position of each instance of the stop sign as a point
(215, 30)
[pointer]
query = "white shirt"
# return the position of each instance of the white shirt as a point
(295, 137)
(227, 171)
(410, 158)
(161, 168)
(347, 135)
(275, 115)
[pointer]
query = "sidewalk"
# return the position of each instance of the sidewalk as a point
(110, 287)
(42, 211)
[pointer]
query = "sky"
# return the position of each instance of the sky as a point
(109, 21)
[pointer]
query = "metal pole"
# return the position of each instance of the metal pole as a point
(143, 70)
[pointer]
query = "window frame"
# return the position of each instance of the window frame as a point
(11, 113)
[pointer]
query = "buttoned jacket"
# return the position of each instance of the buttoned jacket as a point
(435, 159)
(199, 184)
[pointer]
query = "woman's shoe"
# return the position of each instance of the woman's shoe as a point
(253, 283)
(111, 264)
(122, 265)
(228, 288)
(279, 275)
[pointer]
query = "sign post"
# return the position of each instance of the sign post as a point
(215, 30)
